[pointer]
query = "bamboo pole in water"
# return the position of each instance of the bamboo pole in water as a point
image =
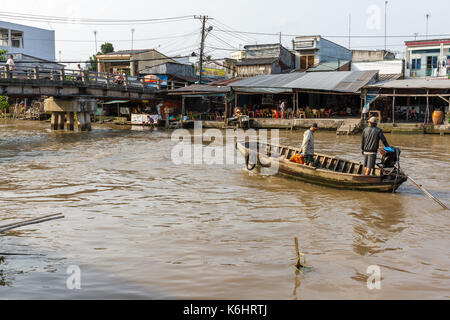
(30, 222)
(428, 194)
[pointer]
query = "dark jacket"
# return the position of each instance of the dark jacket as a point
(371, 139)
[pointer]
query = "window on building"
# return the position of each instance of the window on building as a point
(429, 62)
(16, 39)
(416, 64)
(4, 37)
(435, 62)
(306, 62)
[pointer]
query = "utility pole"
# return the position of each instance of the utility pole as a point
(415, 35)
(349, 29)
(385, 24)
(95, 37)
(202, 44)
(426, 33)
(132, 39)
(202, 48)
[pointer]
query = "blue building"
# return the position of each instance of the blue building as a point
(312, 51)
(30, 41)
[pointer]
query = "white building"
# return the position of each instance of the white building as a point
(428, 58)
(30, 41)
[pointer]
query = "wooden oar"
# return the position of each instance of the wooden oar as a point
(28, 222)
(428, 194)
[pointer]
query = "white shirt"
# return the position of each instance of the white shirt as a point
(10, 63)
(308, 143)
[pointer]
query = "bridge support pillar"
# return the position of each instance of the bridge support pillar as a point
(70, 121)
(62, 107)
(81, 121)
(61, 120)
(87, 119)
(54, 121)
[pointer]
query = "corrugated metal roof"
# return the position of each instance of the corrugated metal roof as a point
(201, 88)
(224, 82)
(389, 77)
(414, 84)
(272, 80)
(339, 81)
(329, 66)
(128, 51)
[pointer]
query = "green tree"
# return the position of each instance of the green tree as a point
(93, 63)
(3, 54)
(3, 103)
(3, 100)
(106, 48)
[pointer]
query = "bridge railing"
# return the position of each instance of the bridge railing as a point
(84, 77)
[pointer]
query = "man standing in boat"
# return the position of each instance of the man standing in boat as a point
(308, 144)
(370, 143)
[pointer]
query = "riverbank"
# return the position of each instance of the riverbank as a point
(300, 124)
(334, 125)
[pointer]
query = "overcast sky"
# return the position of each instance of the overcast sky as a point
(323, 17)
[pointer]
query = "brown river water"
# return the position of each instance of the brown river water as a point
(140, 227)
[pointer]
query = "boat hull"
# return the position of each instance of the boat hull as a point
(326, 177)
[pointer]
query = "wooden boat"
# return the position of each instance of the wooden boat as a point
(327, 170)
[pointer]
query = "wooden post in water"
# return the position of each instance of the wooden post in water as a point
(298, 265)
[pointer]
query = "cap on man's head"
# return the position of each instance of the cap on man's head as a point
(314, 125)
(373, 120)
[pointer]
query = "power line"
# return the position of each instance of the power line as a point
(84, 61)
(332, 36)
(223, 41)
(89, 21)
(231, 32)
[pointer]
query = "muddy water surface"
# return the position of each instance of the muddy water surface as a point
(139, 226)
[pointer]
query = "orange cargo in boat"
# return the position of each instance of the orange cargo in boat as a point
(298, 158)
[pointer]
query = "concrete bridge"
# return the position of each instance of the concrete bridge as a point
(71, 93)
(24, 82)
